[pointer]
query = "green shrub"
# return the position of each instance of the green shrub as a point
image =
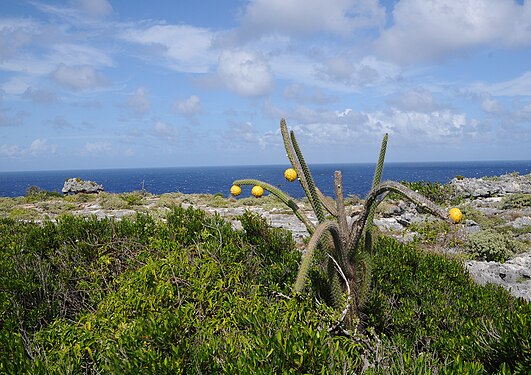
(492, 245)
(112, 201)
(441, 194)
(516, 201)
(133, 198)
(428, 304)
(35, 194)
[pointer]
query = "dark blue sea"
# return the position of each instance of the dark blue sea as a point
(357, 178)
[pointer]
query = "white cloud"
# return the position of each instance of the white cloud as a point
(183, 48)
(189, 106)
(138, 102)
(245, 73)
(94, 8)
(7, 120)
(430, 30)
(417, 100)
(98, 147)
(11, 151)
(303, 93)
(78, 11)
(15, 33)
(348, 126)
(490, 105)
(79, 78)
(302, 17)
(165, 131)
(40, 96)
(519, 86)
(41, 146)
(78, 54)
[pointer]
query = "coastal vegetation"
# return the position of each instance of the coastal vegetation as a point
(137, 283)
(189, 294)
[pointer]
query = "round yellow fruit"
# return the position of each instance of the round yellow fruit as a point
(257, 191)
(290, 174)
(456, 214)
(235, 190)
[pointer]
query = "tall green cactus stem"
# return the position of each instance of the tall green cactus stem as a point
(320, 232)
(376, 180)
(285, 198)
(338, 242)
(372, 199)
(316, 202)
(290, 152)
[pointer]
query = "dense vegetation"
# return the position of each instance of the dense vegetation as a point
(191, 295)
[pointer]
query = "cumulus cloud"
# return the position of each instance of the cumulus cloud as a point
(245, 73)
(303, 17)
(11, 151)
(246, 133)
(41, 146)
(417, 100)
(348, 126)
(188, 107)
(138, 102)
(430, 30)
(79, 78)
(305, 94)
(183, 48)
(490, 105)
(165, 131)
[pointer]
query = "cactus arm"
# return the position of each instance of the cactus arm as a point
(372, 198)
(376, 180)
(343, 225)
(285, 198)
(290, 152)
(312, 193)
(320, 232)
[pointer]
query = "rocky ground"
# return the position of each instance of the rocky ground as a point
(502, 203)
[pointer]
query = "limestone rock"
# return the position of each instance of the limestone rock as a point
(492, 187)
(514, 275)
(77, 185)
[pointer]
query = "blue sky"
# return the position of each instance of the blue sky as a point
(115, 83)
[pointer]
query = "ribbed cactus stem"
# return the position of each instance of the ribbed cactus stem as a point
(376, 180)
(321, 231)
(285, 198)
(343, 226)
(290, 152)
(312, 193)
(372, 199)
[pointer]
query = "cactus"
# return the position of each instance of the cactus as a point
(341, 257)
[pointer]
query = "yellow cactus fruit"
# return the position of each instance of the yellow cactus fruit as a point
(257, 191)
(235, 190)
(290, 174)
(456, 214)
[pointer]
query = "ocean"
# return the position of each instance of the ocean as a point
(357, 178)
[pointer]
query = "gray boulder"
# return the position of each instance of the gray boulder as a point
(514, 275)
(492, 187)
(77, 185)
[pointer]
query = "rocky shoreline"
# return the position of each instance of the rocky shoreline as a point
(485, 197)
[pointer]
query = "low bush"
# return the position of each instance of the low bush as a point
(516, 201)
(492, 245)
(441, 194)
(428, 304)
(192, 295)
